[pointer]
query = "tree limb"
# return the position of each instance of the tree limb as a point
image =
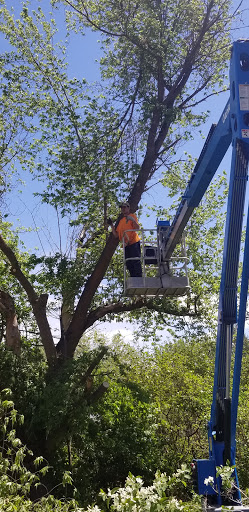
(77, 325)
(120, 307)
(38, 303)
(98, 393)
(94, 363)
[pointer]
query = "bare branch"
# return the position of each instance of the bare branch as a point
(202, 100)
(130, 107)
(118, 307)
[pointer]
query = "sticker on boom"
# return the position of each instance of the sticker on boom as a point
(244, 96)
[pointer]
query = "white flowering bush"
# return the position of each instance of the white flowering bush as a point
(228, 484)
(227, 476)
(160, 496)
(226, 473)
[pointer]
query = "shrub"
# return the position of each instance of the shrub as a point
(16, 480)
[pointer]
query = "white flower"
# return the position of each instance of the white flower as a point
(174, 504)
(209, 481)
(139, 480)
(94, 508)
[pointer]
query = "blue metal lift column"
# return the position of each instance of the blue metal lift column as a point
(220, 426)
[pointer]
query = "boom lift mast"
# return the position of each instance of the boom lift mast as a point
(233, 127)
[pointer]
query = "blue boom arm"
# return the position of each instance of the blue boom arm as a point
(216, 146)
(233, 127)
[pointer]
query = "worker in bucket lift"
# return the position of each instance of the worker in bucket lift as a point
(131, 239)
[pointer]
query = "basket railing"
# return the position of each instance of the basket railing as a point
(152, 263)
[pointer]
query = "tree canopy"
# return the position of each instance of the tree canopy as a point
(90, 148)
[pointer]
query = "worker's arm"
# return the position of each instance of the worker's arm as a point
(135, 223)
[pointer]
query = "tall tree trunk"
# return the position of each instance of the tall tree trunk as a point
(12, 335)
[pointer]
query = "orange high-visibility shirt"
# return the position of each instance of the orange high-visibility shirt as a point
(131, 237)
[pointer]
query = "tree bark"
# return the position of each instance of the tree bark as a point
(12, 335)
(77, 326)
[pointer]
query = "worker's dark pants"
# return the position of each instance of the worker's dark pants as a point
(134, 266)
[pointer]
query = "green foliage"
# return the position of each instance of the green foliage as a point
(25, 374)
(153, 415)
(226, 474)
(178, 377)
(71, 133)
(16, 480)
(54, 402)
(121, 434)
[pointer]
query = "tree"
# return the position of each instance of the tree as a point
(178, 376)
(161, 59)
